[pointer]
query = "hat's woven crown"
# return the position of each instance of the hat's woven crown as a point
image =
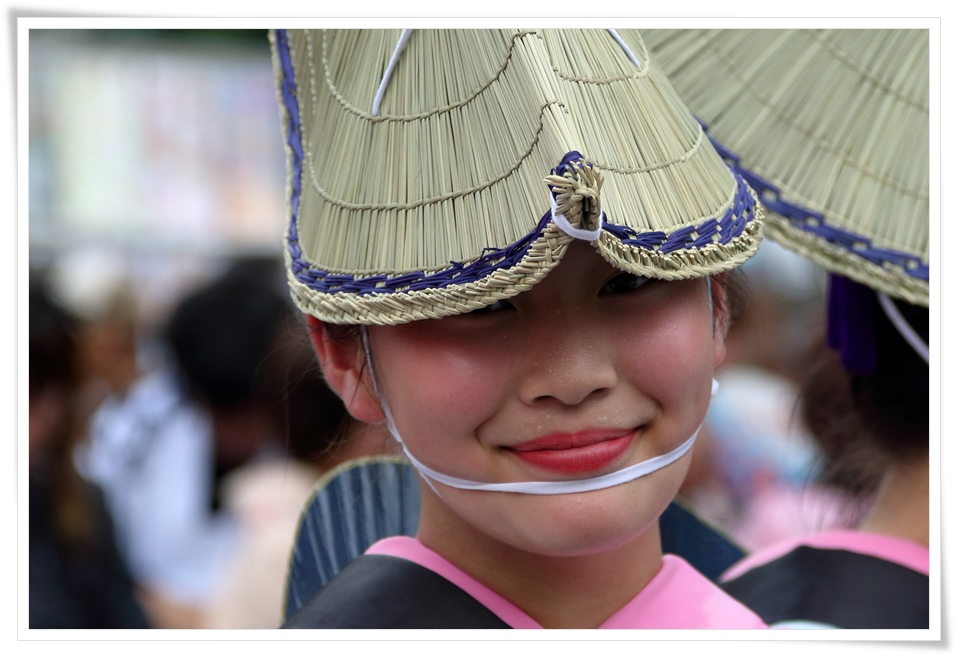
(420, 176)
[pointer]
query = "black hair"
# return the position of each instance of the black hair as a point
(220, 333)
(54, 346)
(53, 342)
(865, 423)
(894, 401)
(733, 303)
(313, 419)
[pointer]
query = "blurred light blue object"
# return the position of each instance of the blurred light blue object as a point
(781, 271)
(754, 421)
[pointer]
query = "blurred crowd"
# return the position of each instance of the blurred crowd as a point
(170, 459)
(167, 495)
(757, 473)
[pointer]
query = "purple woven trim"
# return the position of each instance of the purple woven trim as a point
(729, 226)
(850, 328)
(294, 140)
(815, 223)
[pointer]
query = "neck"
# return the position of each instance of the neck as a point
(556, 591)
(901, 508)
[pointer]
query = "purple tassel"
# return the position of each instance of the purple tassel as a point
(850, 330)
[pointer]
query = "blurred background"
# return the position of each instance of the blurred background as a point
(155, 157)
(165, 435)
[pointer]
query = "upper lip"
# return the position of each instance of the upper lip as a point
(555, 441)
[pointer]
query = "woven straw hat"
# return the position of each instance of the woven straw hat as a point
(831, 128)
(433, 172)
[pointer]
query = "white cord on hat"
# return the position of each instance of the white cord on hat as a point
(578, 233)
(627, 49)
(906, 331)
(403, 39)
(625, 475)
(393, 62)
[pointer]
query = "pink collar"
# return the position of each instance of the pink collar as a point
(678, 597)
(896, 550)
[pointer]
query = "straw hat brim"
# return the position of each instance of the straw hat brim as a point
(831, 128)
(435, 202)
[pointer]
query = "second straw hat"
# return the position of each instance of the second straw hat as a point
(433, 172)
(831, 127)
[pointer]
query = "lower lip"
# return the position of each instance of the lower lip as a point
(577, 460)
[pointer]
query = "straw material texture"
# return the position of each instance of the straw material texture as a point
(836, 122)
(418, 164)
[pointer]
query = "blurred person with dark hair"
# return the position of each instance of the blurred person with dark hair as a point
(866, 403)
(267, 496)
(94, 283)
(78, 579)
(219, 336)
(161, 451)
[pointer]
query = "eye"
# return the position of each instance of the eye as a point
(623, 283)
(494, 307)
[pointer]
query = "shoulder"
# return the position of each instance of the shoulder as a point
(834, 586)
(374, 592)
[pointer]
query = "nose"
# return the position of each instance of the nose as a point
(570, 365)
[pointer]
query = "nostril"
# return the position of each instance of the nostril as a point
(569, 387)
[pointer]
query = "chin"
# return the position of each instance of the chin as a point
(581, 540)
(569, 525)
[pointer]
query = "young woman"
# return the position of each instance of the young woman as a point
(513, 247)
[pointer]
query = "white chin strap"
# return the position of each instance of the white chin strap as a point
(905, 330)
(625, 475)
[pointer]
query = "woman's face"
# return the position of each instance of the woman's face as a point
(588, 372)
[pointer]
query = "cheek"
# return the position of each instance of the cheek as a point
(437, 390)
(676, 358)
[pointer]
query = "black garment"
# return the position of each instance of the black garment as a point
(380, 498)
(842, 589)
(685, 534)
(74, 588)
(363, 596)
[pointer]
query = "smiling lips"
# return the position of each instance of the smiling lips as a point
(575, 453)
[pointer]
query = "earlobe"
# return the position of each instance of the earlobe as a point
(346, 372)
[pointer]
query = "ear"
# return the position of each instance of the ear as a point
(721, 319)
(346, 371)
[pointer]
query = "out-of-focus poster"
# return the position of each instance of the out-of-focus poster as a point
(155, 141)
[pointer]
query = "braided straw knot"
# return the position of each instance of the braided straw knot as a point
(577, 194)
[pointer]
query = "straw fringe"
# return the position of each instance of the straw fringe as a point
(686, 263)
(838, 259)
(403, 307)
(547, 251)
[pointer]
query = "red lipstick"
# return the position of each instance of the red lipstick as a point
(574, 453)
